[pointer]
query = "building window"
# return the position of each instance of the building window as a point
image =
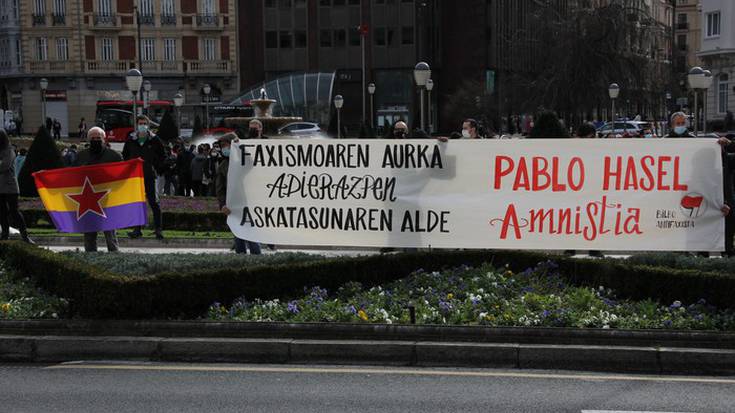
(325, 38)
(106, 49)
(270, 4)
(18, 53)
(62, 49)
(722, 93)
(41, 49)
(713, 24)
(60, 7)
(168, 8)
(169, 49)
(4, 53)
(146, 7)
(390, 37)
(338, 2)
(148, 49)
(284, 4)
(285, 40)
(104, 7)
(407, 35)
(208, 8)
(340, 38)
(209, 48)
(39, 8)
(325, 3)
(354, 2)
(354, 37)
(271, 40)
(300, 3)
(300, 39)
(380, 36)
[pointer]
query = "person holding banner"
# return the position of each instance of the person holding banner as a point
(679, 126)
(98, 153)
(9, 191)
(225, 142)
(147, 146)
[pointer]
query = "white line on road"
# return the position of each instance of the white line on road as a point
(621, 411)
(405, 372)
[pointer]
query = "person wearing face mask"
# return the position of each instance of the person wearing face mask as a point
(470, 129)
(96, 154)
(255, 130)
(143, 144)
(679, 126)
(400, 130)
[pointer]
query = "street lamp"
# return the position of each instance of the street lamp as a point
(696, 81)
(422, 73)
(614, 91)
(43, 83)
(134, 79)
(147, 86)
(429, 88)
(338, 103)
(371, 91)
(207, 90)
(707, 84)
(178, 101)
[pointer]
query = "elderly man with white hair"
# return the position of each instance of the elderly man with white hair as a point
(98, 153)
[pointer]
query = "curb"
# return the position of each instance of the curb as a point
(650, 360)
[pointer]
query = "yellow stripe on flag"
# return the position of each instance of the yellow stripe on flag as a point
(122, 192)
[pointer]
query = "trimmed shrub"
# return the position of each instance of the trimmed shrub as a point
(96, 292)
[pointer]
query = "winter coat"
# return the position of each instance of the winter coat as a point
(198, 167)
(151, 151)
(221, 181)
(86, 157)
(8, 182)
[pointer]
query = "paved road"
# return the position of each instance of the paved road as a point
(191, 387)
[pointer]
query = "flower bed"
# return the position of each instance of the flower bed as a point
(538, 296)
(19, 299)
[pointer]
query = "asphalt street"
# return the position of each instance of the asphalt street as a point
(137, 387)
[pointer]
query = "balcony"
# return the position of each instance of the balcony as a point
(58, 19)
(118, 67)
(48, 66)
(105, 21)
(168, 20)
(39, 19)
(208, 22)
(147, 20)
(161, 67)
(212, 67)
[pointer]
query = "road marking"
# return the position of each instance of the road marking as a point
(621, 411)
(403, 372)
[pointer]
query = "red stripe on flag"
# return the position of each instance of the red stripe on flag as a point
(97, 174)
(692, 201)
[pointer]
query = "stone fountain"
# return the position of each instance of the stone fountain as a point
(263, 108)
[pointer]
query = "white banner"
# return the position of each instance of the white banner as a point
(630, 194)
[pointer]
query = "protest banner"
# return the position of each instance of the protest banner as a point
(519, 194)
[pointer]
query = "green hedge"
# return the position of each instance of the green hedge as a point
(172, 220)
(96, 293)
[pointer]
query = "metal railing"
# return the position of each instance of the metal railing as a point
(208, 66)
(108, 66)
(106, 20)
(39, 19)
(58, 19)
(168, 20)
(48, 66)
(207, 20)
(176, 67)
(147, 19)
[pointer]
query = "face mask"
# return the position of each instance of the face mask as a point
(648, 136)
(254, 132)
(465, 133)
(142, 128)
(680, 130)
(95, 146)
(226, 152)
(399, 134)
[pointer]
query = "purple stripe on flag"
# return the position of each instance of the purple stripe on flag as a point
(121, 216)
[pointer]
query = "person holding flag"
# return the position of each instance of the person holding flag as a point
(145, 145)
(98, 153)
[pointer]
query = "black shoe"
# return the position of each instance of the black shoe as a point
(135, 234)
(159, 235)
(27, 239)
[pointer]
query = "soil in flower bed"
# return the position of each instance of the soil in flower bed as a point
(141, 264)
(21, 300)
(481, 296)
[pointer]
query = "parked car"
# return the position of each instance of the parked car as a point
(300, 129)
(620, 127)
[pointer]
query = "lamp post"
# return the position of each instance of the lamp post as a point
(707, 84)
(134, 79)
(338, 103)
(429, 88)
(207, 90)
(43, 83)
(696, 81)
(178, 101)
(614, 91)
(147, 86)
(371, 91)
(421, 74)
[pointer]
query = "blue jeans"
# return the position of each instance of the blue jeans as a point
(241, 247)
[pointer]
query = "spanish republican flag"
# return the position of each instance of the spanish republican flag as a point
(94, 198)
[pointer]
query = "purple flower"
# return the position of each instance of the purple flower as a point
(444, 306)
(352, 309)
(675, 305)
(293, 307)
(668, 323)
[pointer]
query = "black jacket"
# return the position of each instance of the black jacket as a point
(86, 157)
(152, 153)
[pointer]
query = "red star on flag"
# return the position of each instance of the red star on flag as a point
(89, 200)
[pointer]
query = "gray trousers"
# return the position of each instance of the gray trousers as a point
(90, 241)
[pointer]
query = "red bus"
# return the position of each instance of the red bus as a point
(116, 116)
